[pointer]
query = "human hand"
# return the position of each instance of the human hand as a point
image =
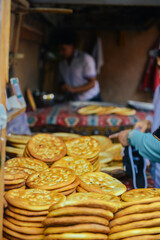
(67, 88)
(122, 137)
(143, 125)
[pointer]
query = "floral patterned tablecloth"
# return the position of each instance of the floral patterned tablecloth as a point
(66, 115)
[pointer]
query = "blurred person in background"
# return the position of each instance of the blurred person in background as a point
(77, 70)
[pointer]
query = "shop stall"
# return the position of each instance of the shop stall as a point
(66, 179)
(68, 115)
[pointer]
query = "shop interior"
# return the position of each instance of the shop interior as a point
(119, 47)
(59, 148)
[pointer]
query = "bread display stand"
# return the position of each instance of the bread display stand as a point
(5, 13)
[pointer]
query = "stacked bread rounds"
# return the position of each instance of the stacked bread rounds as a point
(81, 216)
(90, 109)
(104, 141)
(15, 177)
(139, 216)
(84, 147)
(79, 165)
(66, 136)
(45, 147)
(16, 145)
(27, 208)
(16, 140)
(14, 152)
(100, 110)
(67, 197)
(27, 163)
(111, 158)
(57, 179)
(115, 150)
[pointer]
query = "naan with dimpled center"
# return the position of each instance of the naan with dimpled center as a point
(104, 181)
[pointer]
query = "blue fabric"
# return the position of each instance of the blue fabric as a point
(147, 145)
(97, 98)
(19, 125)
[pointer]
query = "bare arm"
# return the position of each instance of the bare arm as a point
(147, 145)
(83, 88)
(86, 87)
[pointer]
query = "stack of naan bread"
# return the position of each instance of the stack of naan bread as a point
(55, 168)
(107, 156)
(81, 216)
(66, 136)
(62, 180)
(26, 163)
(15, 177)
(138, 217)
(48, 155)
(100, 110)
(79, 165)
(85, 147)
(26, 210)
(16, 145)
(110, 156)
(45, 147)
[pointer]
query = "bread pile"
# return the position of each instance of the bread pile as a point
(27, 208)
(17, 170)
(16, 145)
(18, 141)
(139, 217)
(26, 163)
(45, 147)
(104, 141)
(51, 147)
(15, 177)
(114, 150)
(79, 165)
(81, 216)
(101, 183)
(95, 212)
(62, 180)
(100, 110)
(66, 136)
(111, 158)
(53, 170)
(85, 147)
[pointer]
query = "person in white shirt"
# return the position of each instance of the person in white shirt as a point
(77, 72)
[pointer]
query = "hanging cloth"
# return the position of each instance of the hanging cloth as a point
(98, 55)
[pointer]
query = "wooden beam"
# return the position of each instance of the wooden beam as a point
(24, 3)
(102, 2)
(45, 10)
(17, 30)
(5, 12)
(7, 41)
